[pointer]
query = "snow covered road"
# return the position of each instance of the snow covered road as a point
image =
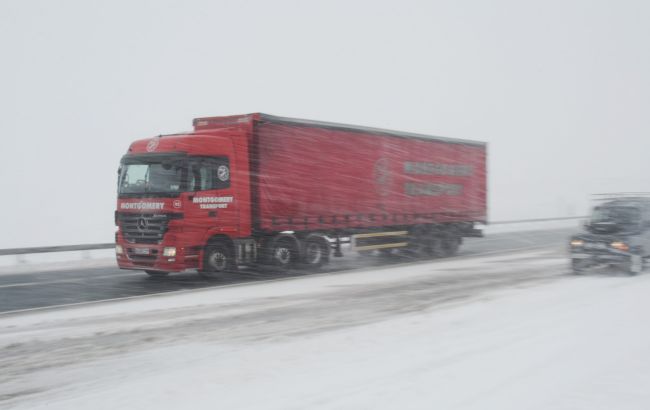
(57, 284)
(494, 331)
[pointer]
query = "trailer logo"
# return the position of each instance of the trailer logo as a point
(432, 189)
(430, 168)
(177, 203)
(383, 176)
(152, 145)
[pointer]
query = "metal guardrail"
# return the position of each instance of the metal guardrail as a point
(62, 248)
(518, 221)
(95, 246)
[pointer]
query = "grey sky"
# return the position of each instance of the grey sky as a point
(559, 89)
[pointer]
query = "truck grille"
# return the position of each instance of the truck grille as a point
(143, 228)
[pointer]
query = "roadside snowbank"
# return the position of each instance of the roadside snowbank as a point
(577, 343)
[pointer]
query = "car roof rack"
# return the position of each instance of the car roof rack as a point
(643, 196)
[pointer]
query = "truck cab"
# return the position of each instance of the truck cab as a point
(617, 235)
(175, 194)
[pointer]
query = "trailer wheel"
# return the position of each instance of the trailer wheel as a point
(284, 253)
(218, 259)
(420, 244)
(156, 273)
(316, 253)
(437, 248)
(450, 245)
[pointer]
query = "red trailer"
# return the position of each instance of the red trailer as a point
(263, 189)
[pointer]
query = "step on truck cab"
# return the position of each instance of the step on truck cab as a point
(259, 189)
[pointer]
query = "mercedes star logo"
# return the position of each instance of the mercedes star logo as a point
(142, 224)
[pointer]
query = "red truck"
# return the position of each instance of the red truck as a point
(261, 189)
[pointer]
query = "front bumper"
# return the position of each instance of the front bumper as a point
(150, 257)
(589, 259)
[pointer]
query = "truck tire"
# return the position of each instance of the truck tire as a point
(450, 245)
(217, 260)
(156, 273)
(437, 248)
(317, 253)
(284, 253)
(420, 243)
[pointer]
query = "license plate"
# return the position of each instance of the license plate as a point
(596, 245)
(141, 251)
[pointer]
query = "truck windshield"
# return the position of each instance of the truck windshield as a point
(152, 176)
(169, 175)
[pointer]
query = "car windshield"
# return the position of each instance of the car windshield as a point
(152, 175)
(619, 215)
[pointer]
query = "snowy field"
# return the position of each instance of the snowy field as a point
(511, 331)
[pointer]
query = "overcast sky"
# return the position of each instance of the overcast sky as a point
(559, 89)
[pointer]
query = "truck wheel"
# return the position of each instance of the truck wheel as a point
(450, 245)
(316, 253)
(284, 253)
(437, 248)
(419, 243)
(156, 273)
(218, 259)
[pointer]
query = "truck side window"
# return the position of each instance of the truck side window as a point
(209, 173)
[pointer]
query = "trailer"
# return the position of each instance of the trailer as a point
(261, 189)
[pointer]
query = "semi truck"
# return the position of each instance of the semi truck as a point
(258, 189)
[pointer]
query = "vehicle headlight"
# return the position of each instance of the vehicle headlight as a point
(169, 252)
(577, 242)
(119, 250)
(621, 246)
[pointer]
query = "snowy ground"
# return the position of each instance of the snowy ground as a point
(509, 331)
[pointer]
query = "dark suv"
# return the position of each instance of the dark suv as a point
(617, 234)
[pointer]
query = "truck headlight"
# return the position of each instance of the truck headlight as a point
(577, 242)
(119, 250)
(621, 246)
(169, 252)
